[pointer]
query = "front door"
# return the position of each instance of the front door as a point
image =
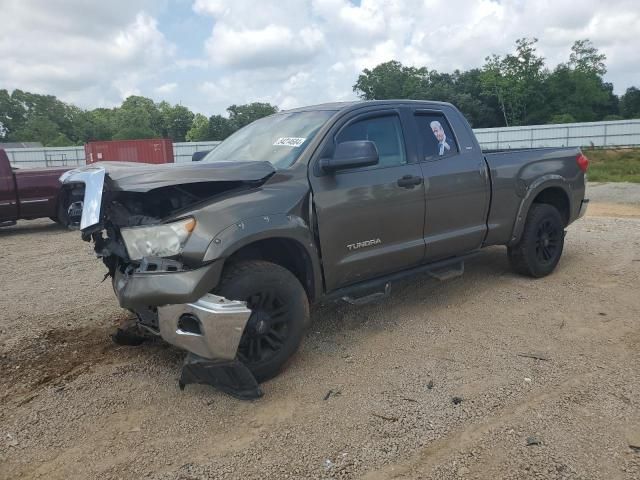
(370, 219)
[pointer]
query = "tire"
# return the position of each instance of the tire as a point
(61, 218)
(540, 247)
(279, 318)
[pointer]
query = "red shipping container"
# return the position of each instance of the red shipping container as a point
(157, 150)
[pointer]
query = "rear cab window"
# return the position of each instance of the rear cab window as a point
(435, 136)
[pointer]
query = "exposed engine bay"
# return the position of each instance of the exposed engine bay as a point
(122, 195)
(134, 209)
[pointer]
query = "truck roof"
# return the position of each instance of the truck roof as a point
(337, 106)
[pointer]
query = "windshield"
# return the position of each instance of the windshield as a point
(279, 139)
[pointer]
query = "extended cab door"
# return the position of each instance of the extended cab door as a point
(370, 220)
(8, 197)
(457, 187)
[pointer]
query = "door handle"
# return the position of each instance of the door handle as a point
(409, 181)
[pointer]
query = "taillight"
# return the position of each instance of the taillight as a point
(583, 162)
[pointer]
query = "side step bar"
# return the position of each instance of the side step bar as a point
(379, 288)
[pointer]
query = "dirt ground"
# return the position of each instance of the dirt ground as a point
(545, 373)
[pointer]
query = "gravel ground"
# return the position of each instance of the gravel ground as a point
(370, 394)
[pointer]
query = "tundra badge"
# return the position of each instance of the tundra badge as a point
(366, 243)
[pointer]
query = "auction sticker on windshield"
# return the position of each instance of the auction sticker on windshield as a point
(290, 141)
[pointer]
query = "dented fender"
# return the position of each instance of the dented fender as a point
(278, 226)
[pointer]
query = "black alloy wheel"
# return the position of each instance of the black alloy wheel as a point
(279, 314)
(541, 244)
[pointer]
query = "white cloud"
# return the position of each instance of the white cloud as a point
(84, 52)
(166, 88)
(271, 46)
(287, 52)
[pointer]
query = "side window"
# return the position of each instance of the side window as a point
(385, 132)
(436, 136)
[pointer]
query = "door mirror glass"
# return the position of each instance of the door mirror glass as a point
(352, 154)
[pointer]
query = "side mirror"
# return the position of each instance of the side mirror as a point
(197, 156)
(354, 154)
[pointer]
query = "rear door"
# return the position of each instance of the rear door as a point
(370, 220)
(457, 188)
(8, 200)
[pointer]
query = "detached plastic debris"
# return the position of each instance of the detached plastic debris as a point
(231, 377)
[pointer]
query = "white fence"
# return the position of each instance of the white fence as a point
(74, 156)
(618, 133)
(182, 151)
(45, 157)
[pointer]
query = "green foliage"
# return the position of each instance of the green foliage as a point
(629, 103)
(585, 58)
(137, 118)
(562, 118)
(27, 116)
(514, 89)
(219, 127)
(177, 121)
(619, 165)
(515, 81)
(241, 115)
(391, 80)
(199, 130)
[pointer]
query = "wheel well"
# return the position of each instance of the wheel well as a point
(556, 197)
(285, 252)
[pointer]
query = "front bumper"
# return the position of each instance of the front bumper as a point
(210, 327)
(151, 289)
(188, 316)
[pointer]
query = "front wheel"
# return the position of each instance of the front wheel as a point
(540, 247)
(280, 314)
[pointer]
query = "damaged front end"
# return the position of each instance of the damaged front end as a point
(140, 219)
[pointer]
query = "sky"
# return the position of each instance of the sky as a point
(209, 54)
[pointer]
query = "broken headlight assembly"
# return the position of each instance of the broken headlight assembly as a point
(165, 240)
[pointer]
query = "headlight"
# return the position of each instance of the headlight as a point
(159, 240)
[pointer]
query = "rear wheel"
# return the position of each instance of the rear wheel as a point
(540, 247)
(280, 314)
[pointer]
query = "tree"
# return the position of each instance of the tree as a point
(11, 114)
(100, 124)
(138, 118)
(38, 128)
(515, 81)
(630, 103)
(585, 58)
(391, 80)
(241, 115)
(577, 88)
(177, 121)
(220, 127)
(199, 130)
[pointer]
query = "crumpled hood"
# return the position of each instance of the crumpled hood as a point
(144, 177)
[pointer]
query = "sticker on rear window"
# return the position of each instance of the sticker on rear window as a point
(289, 141)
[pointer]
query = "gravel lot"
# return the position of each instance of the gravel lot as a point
(370, 394)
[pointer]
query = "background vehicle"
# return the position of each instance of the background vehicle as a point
(222, 257)
(32, 193)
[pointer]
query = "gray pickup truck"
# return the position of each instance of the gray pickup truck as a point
(223, 257)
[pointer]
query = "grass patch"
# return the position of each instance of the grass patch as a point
(619, 165)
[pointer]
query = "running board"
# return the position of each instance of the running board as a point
(372, 297)
(379, 288)
(454, 271)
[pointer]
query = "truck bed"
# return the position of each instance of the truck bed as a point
(514, 171)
